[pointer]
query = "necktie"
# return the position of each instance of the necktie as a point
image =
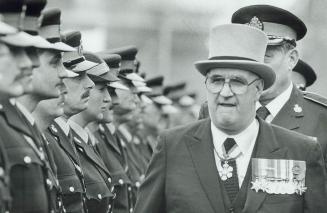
(231, 184)
(263, 112)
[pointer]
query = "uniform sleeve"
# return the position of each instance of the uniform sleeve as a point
(151, 197)
(316, 195)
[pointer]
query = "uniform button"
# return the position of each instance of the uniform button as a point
(49, 183)
(59, 203)
(109, 179)
(100, 196)
(120, 181)
(27, 159)
(131, 210)
(137, 184)
(129, 188)
(109, 206)
(52, 211)
(2, 172)
(112, 188)
(72, 189)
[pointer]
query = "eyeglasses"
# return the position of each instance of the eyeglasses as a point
(237, 85)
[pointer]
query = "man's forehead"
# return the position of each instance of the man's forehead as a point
(229, 72)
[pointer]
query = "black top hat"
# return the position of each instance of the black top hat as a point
(307, 71)
(274, 21)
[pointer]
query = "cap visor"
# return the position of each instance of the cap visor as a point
(41, 43)
(262, 70)
(143, 89)
(134, 77)
(169, 109)
(83, 66)
(117, 85)
(6, 29)
(71, 74)
(163, 100)
(20, 39)
(145, 99)
(60, 46)
(138, 83)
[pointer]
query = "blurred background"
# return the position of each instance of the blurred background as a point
(171, 35)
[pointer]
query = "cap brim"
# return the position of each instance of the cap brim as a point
(20, 39)
(6, 29)
(169, 109)
(262, 70)
(145, 99)
(71, 74)
(62, 47)
(134, 77)
(117, 85)
(83, 66)
(163, 100)
(143, 89)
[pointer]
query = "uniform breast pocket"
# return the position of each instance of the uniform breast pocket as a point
(23, 156)
(70, 184)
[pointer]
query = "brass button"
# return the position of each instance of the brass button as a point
(27, 159)
(120, 181)
(72, 189)
(100, 196)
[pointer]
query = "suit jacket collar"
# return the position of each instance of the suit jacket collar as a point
(200, 146)
(291, 114)
(110, 139)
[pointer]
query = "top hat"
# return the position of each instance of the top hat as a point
(238, 46)
(276, 22)
(307, 71)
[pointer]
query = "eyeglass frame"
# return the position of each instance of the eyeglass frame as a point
(246, 85)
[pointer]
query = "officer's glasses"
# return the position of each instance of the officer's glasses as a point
(237, 85)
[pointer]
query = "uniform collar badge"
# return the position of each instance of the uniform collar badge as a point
(297, 108)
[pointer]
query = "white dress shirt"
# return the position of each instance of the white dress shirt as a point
(62, 123)
(79, 130)
(245, 143)
(277, 103)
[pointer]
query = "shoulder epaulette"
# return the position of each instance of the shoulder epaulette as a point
(315, 98)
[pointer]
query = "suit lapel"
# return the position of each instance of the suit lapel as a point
(200, 146)
(15, 119)
(110, 140)
(291, 114)
(267, 147)
(88, 151)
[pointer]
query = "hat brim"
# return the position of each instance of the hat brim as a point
(262, 70)
(117, 85)
(6, 29)
(20, 39)
(62, 47)
(134, 77)
(83, 66)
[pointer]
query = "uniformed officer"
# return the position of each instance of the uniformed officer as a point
(108, 147)
(98, 181)
(303, 75)
(70, 174)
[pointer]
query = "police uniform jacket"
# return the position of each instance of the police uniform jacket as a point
(69, 172)
(97, 177)
(122, 184)
(5, 199)
(183, 177)
(33, 185)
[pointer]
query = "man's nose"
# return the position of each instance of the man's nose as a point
(226, 90)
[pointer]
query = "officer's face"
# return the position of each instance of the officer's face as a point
(98, 103)
(47, 78)
(282, 62)
(78, 93)
(8, 72)
(231, 112)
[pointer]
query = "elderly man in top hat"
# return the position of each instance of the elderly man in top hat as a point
(234, 161)
(283, 104)
(303, 75)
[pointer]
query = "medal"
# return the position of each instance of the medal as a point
(226, 171)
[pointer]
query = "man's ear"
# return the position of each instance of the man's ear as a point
(259, 86)
(293, 58)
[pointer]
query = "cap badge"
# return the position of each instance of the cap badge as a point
(256, 23)
(297, 108)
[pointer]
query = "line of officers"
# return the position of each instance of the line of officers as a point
(77, 128)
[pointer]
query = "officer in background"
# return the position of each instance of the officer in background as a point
(303, 75)
(70, 174)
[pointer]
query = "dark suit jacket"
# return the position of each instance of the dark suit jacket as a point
(311, 120)
(183, 178)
